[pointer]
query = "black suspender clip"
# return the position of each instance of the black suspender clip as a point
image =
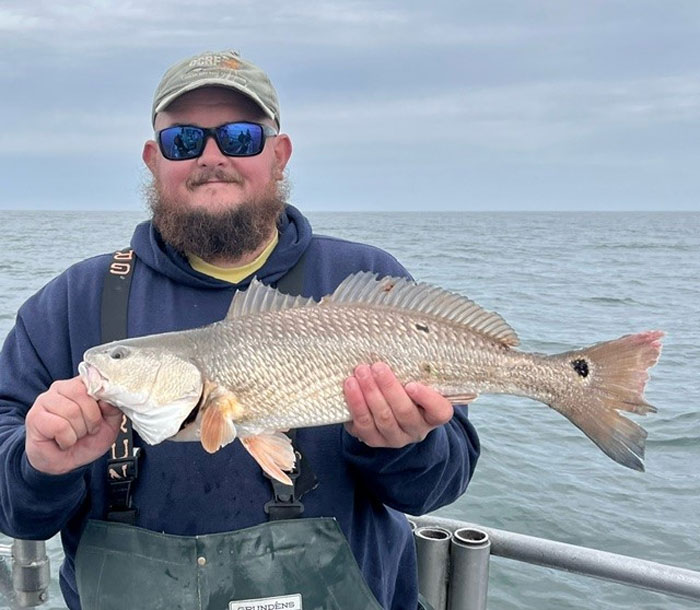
(284, 503)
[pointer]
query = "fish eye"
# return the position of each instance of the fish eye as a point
(118, 353)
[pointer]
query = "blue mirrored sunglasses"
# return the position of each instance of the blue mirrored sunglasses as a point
(241, 139)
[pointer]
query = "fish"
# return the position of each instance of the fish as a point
(278, 362)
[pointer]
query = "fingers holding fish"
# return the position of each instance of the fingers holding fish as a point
(436, 409)
(403, 409)
(68, 401)
(109, 411)
(55, 428)
(383, 413)
(382, 429)
(67, 429)
(362, 424)
(79, 410)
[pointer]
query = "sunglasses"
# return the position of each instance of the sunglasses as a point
(241, 139)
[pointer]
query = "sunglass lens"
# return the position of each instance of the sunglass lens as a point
(241, 139)
(181, 142)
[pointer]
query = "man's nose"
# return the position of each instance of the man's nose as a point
(211, 155)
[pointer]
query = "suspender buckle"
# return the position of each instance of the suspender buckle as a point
(284, 504)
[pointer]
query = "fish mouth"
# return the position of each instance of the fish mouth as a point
(92, 378)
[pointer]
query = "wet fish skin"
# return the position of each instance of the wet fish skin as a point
(278, 362)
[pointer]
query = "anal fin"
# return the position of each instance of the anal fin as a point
(462, 399)
(273, 452)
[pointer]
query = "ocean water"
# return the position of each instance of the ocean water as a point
(562, 280)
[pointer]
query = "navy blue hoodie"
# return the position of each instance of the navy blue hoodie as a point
(181, 489)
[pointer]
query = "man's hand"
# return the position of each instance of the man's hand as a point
(67, 429)
(385, 414)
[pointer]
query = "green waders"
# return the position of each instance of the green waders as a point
(293, 564)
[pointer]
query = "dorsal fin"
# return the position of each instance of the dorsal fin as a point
(365, 287)
(259, 298)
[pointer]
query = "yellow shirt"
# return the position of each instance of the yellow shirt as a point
(233, 274)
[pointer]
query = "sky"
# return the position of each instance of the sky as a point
(390, 105)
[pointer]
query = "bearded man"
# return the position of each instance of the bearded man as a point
(178, 527)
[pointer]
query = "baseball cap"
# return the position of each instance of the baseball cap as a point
(217, 69)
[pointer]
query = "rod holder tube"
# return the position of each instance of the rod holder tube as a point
(470, 551)
(30, 572)
(433, 549)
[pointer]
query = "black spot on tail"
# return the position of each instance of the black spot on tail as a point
(422, 327)
(580, 366)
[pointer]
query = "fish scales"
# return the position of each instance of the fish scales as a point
(287, 368)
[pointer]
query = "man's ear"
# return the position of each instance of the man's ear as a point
(282, 151)
(150, 154)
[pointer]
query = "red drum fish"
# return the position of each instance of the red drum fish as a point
(278, 362)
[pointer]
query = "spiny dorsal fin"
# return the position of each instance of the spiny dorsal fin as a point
(259, 298)
(365, 288)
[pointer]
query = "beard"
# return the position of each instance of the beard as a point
(229, 232)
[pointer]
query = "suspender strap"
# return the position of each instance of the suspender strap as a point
(122, 465)
(292, 282)
(286, 499)
(115, 295)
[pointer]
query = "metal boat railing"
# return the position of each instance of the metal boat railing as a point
(453, 565)
(460, 581)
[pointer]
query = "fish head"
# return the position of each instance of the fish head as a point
(156, 388)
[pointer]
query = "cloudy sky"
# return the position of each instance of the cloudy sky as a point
(391, 105)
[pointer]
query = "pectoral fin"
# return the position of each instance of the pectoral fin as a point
(218, 416)
(273, 452)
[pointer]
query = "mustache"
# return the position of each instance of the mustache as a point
(212, 175)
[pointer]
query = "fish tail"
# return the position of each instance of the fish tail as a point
(611, 377)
